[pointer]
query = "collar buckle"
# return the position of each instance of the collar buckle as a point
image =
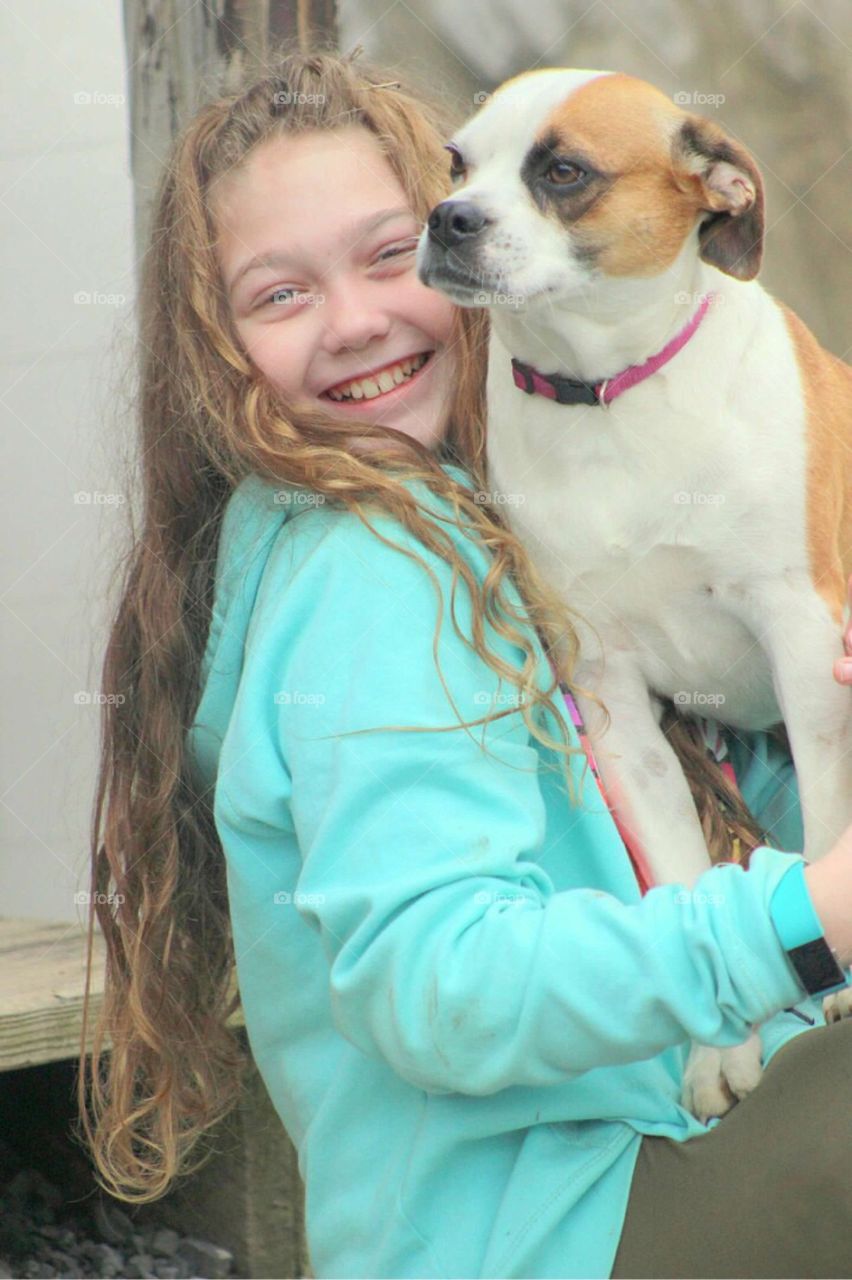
(554, 386)
(573, 390)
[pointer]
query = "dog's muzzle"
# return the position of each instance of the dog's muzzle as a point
(453, 231)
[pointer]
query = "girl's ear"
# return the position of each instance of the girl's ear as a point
(727, 185)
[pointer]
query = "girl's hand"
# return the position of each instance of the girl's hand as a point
(842, 670)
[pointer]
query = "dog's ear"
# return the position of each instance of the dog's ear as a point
(728, 185)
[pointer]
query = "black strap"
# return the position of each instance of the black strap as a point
(568, 390)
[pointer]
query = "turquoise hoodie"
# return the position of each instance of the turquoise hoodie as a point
(464, 1012)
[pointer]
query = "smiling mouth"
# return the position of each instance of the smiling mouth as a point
(381, 384)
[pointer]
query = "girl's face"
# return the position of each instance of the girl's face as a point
(317, 245)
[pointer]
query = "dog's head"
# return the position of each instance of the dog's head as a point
(566, 176)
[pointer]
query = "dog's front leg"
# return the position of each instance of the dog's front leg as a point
(647, 786)
(802, 640)
(642, 774)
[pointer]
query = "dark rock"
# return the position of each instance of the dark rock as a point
(140, 1266)
(45, 1234)
(48, 1192)
(205, 1259)
(88, 1248)
(107, 1259)
(165, 1242)
(29, 1187)
(111, 1224)
(63, 1262)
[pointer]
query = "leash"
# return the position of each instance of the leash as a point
(636, 854)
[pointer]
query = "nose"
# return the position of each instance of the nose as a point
(454, 221)
(353, 318)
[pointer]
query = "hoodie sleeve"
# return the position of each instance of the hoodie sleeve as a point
(451, 955)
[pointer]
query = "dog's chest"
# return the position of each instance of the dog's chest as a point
(660, 580)
(602, 505)
(652, 528)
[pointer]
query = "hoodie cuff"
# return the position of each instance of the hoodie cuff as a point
(798, 926)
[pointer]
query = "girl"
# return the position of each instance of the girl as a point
(340, 762)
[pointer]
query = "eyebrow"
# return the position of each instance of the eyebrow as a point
(280, 258)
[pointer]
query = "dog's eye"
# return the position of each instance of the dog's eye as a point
(458, 168)
(564, 174)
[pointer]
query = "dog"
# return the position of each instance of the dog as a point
(677, 445)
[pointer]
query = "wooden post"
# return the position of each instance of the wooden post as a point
(181, 55)
(249, 1197)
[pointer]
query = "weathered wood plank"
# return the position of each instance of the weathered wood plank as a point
(42, 979)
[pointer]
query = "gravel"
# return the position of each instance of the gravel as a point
(43, 1236)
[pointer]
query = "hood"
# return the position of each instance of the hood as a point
(253, 517)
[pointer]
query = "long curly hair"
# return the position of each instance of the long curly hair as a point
(165, 1066)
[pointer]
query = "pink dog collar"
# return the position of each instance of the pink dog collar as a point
(575, 391)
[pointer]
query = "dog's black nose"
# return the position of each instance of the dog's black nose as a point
(454, 221)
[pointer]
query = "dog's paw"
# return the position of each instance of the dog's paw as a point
(838, 1005)
(715, 1079)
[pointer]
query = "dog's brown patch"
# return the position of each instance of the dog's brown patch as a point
(827, 389)
(639, 228)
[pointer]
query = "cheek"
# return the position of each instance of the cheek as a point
(432, 311)
(281, 357)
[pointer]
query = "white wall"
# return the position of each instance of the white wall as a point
(68, 284)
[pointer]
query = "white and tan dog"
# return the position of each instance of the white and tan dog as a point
(697, 511)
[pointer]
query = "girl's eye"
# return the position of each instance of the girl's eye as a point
(278, 297)
(397, 249)
(286, 296)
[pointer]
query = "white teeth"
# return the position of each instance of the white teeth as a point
(369, 388)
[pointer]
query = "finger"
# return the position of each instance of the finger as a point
(843, 670)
